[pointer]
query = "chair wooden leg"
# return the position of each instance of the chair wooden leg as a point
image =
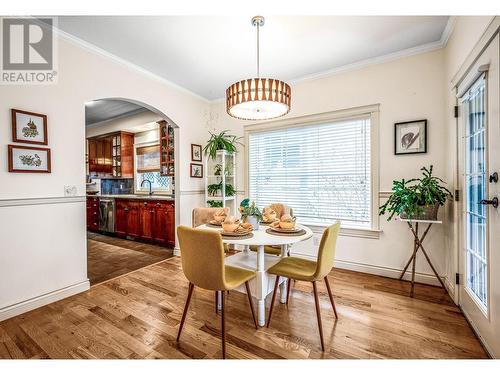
(190, 293)
(251, 304)
(272, 300)
(223, 325)
(288, 290)
(216, 302)
(318, 314)
(331, 297)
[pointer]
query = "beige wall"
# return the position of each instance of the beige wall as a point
(43, 250)
(410, 88)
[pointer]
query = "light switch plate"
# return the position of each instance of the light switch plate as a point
(69, 190)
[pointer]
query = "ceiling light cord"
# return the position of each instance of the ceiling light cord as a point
(258, 50)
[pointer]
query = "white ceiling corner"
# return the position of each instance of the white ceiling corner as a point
(203, 55)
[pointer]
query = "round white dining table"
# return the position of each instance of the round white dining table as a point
(260, 262)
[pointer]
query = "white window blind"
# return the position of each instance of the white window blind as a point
(322, 171)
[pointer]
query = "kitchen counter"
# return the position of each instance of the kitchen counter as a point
(155, 197)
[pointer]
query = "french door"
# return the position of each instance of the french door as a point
(479, 292)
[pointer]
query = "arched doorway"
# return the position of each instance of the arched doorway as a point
(131, 220)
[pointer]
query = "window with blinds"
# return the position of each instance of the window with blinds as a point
(322, 171)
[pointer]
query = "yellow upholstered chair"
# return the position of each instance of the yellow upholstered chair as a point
(202, 255)
(281, 210)
(203, 215)
(308, 270)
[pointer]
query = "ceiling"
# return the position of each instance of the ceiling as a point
(103, 110)
(206, 54)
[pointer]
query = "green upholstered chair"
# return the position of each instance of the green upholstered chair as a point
(300, 269)
(202, 255)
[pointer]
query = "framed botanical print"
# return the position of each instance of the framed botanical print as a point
(25, 159)
(410, 137)
(29, 127)
(196, 170)
(196, 152)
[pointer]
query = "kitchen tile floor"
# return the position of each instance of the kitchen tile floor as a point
(109, 257)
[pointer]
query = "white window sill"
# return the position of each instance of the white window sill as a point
(347, 231)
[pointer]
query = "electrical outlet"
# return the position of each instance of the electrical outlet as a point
(69, 190)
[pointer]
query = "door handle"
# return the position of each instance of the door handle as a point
(493, 202)
(494, 177)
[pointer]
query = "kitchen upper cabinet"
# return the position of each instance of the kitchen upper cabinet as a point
(147, 220)
(112, 155)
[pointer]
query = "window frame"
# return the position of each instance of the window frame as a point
(371, 111)
(145, 191)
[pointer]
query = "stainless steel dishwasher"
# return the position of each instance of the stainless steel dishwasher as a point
(107, 215)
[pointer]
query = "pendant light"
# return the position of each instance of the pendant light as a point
(258, 98)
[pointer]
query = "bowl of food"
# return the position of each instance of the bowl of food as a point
(287, 222)
(220, 215)
(230, 224)
(269, 215)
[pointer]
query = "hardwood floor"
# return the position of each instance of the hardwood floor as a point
(109, 257)
(137, 316)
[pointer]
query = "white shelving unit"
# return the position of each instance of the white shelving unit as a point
(226, 176)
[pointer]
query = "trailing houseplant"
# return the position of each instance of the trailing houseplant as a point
(417, 198)
(212, 203)
(213, 189)
(250, 213)
(221, 141)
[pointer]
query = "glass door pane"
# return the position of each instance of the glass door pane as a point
(475, 191)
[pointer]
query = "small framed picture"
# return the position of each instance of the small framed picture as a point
(410, 137)
(29, 127)
(24, 159)
(196, 170)
(196, 152)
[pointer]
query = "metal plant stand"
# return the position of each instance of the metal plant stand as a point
(417, 245)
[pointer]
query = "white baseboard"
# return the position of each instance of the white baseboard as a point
(177, 251)
(34, 303)
(387, 272)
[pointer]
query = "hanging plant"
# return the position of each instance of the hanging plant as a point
(221, 141)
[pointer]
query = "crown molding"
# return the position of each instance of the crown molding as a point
(101, 52)
(427, 47)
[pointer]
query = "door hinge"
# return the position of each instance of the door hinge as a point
(457, 278)
(456, 111)
(457, 195)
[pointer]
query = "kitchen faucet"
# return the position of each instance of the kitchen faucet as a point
(142, 183)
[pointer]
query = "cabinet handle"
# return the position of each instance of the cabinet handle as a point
(126, 209)
(157, 204)
(145, 203)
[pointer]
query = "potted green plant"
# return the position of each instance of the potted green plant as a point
(418, 198)
(221, 141)
(213, 189)
(250, 213)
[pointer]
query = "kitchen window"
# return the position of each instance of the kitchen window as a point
(324, 167)
(148, 168)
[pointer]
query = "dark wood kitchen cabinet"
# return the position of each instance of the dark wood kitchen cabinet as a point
(164, 223)
(93, 213)
(147, 220)
(111, 155)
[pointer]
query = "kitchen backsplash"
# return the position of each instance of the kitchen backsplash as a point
(117, 186)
